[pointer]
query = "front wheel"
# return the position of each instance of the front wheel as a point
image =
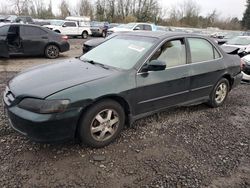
(52, 51)
(219, 93)
(101, 124)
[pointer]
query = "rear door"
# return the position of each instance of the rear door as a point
(207, 67)
(34, 40)
(4, 52)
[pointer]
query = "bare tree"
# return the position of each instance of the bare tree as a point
(21, 6)
(64, 9)
(85, 8)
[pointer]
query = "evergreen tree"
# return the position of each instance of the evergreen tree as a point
(246, 16)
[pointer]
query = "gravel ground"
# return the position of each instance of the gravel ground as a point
(184, 147)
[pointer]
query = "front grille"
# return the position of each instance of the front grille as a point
(8, 96)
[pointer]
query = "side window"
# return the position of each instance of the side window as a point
(32, 31)
(140, 26)
(4, 30)
(70, 24)
(202, 50)
(173, 53)
(148, 27)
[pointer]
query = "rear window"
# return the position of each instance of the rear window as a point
(32, 31)
(202, 50)
(147, 28)
(70, 24)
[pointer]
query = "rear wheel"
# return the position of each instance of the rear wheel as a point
(101, 124)
(219, 93)
(52, 51)
(84, 34)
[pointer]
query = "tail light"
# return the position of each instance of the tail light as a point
(64, 37)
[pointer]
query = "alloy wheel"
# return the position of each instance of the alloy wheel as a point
(104, 125)
(221, 93)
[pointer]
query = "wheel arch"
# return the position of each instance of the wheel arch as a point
(57, 31)
(85, 31)
(230, 80)
(119, 99)
(52, 43)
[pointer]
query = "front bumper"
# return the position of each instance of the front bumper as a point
(44, 127)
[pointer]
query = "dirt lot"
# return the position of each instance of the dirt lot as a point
(184, 147)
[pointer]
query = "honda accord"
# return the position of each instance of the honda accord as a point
(123, 79)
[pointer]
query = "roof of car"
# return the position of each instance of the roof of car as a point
(23, 24)
(159, 34)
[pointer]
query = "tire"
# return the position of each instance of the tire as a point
(52, 51)
(103, 34)
(101, 124)
(84, 34)
(219, 93)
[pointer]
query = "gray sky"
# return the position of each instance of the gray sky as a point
(226, 8)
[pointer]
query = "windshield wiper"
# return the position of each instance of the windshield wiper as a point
(95, 63)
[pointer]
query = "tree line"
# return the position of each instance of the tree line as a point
(185, 14)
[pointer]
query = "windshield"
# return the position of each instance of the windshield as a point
(56, 22)
(239, 41)
(121, 52)
(127, 26)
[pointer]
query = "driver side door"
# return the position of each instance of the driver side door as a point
(161, 89)
(4, 52)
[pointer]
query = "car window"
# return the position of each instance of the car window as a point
(202, 50)
(70, 24)
(148, 27)
(173, 53)
(32, 31)
(139, 26)
(4, 30)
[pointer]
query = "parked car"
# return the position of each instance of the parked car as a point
(24, 39)
(123, 79)
(240, 43)
(132, 27)
(99, 29)
(5, 19)
(92, 43)
(71, 28)
(24, 20)
(162, 28)
(228, 37)
(246, 68)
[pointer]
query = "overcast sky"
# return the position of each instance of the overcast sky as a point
(226, 8)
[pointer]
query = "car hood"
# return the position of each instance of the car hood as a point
(45, 80)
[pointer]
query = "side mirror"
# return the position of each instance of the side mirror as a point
(64, 25)
(137, 28)
(154, 65)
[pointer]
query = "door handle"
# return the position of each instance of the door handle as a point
(44, 37)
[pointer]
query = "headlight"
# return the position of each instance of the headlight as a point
(44, 106)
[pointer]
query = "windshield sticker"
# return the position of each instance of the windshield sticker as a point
(136, 48)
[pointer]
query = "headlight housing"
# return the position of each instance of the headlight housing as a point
(44, 106)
